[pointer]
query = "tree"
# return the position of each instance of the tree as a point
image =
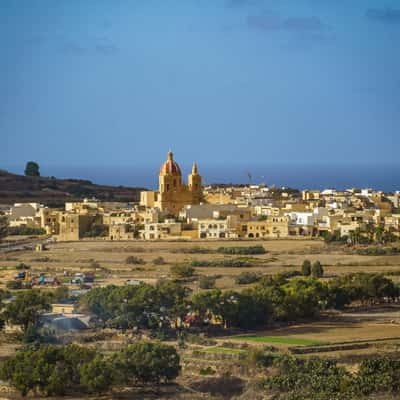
(52, 370)
(25, 310)
(142, 306)
(98, 375)
(32, 169)
(317, 270)
(60, 294)
(147, 362)
(55, 370)
(306, 268)
(206, 304)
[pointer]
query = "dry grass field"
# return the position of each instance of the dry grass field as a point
(108, 260)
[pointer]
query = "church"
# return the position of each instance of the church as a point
(172, 193)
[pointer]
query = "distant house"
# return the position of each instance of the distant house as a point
(162, 230)
(64, 308)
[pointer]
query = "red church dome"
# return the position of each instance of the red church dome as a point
(170, 167)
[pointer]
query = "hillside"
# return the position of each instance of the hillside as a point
(53, 191)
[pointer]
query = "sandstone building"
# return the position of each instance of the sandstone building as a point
(173, 194)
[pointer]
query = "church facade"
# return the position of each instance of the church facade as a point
(173, 194)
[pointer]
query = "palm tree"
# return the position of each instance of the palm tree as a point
(3, 226)
(355, 236)
(370, 230)
(379, 233)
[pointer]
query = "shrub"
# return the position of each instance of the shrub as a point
(41, 259)
(319, 378)
(95, 264)
(378, 251)
(182, 271)
(289, 274)
(134, 260)
(159, 261)
(25, 231)
(207, 282)
(22, 266)
(226, 263)
(200, 340)
(242, 250)
(207, 371)
(245, 278)
(14, 285)
(260, 357)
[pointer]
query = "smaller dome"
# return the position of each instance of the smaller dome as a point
(170, 167)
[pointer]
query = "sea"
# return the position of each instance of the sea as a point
(299, 176)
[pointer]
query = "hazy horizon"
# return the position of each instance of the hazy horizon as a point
(384, 177)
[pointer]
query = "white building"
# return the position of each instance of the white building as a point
(162, 230)
(25, 214)
(213, 229)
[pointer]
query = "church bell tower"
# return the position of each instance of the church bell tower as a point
(194, 183)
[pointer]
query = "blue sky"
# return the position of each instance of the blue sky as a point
(92, 82)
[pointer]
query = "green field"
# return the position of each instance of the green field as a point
(280, 340)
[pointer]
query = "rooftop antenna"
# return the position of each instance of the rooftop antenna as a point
(249, 176)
